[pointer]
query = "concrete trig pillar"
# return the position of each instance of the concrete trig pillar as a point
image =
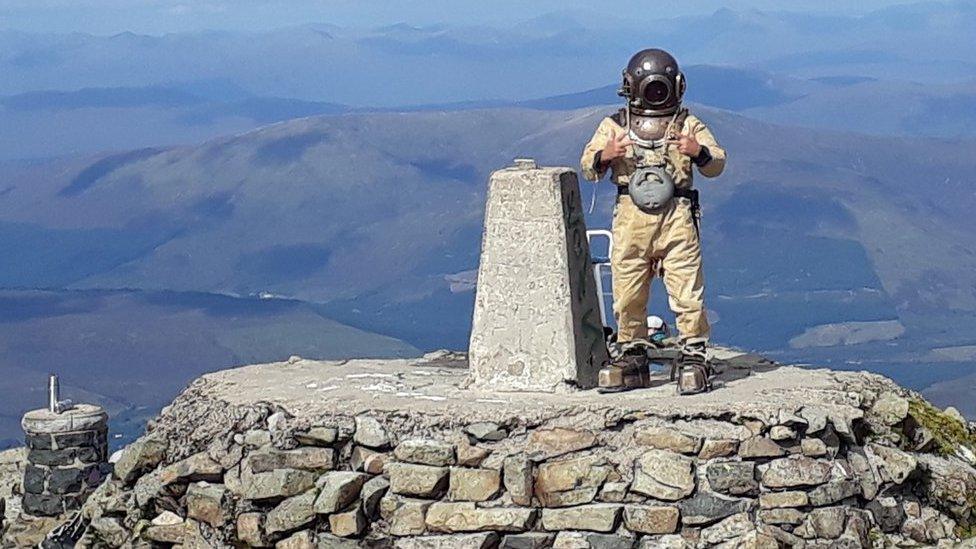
(536, 321)
(68, 452)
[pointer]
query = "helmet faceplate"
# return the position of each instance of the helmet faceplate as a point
(652, 83)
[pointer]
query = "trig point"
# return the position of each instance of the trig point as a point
(536, 322)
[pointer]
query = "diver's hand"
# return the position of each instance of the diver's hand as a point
(687, 144)
(616, 147)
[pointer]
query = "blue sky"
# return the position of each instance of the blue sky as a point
(162, 16)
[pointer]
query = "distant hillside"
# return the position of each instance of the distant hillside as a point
(373, 215)
(133, 351)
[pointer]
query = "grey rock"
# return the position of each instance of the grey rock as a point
(890, 409)
(469, 455)
(664, 475)
(277, 484)
(781, 433)
(206, 503)
(796, 471)
(828, 522)
(865, 473)
(706, 508)
(410, 479)
(735, 526)
(465, 517)
(816, 418)
(462, 541)
(613, 492)
(592, 540)
(651, 519)
(888, 513)
(529, 540)
(664, 438)
(195, 468)
(299, 540)
(813, 447)
(359, 456)
(518, 479)
(549, 443)
(372, 492)
(760, 447)
(318, 436)
(347, 524)
(833, 492)
(256, 438)
(328, 541)
(486, 431)
(337, 490)
(369, 432)
(110, 531)
(737, 478)
(250, 529)
(782, 515)
(406, 516)
(895, 465)
(716, 448)
(773, 500)
(69, 480)
(570, 481)
(305, 458)
(425, 452)
(291, 514)
(473, 484)
(595, 517)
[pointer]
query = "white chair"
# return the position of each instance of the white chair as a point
(600, 262)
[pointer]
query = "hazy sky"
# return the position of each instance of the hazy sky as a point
(161, 16)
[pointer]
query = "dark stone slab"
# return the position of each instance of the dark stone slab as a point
(77, 439)
(706, 508)
(34, 479)
(834, 491)
(40, 441)
(51, 458)
(43, 505)
(89, 455)
(531, 540)
(737, 478)
(67, 480)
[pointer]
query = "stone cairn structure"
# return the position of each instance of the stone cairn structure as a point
(853, 462)
(537, 323)
(67, 451)
(432, 454)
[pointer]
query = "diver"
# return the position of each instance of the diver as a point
(650, 148)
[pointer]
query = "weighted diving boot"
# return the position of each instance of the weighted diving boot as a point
(692, 370)
(626, 372)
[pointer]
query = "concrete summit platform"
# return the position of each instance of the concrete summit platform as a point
(401, 453)
(436, 387)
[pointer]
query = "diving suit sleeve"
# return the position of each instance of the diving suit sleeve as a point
(713, 166)
(592, 165)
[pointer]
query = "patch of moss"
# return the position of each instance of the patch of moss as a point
(948, 433)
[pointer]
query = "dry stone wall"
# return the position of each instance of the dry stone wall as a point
(875, 475)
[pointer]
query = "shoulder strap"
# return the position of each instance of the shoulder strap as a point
(620, 117)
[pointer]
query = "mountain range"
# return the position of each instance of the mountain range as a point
(171, 205)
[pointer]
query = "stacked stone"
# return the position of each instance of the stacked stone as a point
(806, 478)
(67, 454)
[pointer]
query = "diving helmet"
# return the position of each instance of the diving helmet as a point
(653, 86)
(652, 83)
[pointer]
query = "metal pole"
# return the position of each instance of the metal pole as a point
(53, 394)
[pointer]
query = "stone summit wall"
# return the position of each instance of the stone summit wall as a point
(399, 453)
